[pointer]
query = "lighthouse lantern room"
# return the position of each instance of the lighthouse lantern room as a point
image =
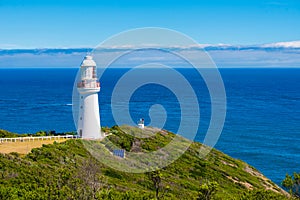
(88, 88)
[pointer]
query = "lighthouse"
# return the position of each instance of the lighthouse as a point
(88, 88)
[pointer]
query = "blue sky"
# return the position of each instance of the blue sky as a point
(74, 23)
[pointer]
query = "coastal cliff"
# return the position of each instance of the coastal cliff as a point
(67, 170)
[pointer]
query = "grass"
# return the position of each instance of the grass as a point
(26, 146)
(75, 169)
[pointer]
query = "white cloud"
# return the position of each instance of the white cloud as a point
(281, 54)
(291, 44)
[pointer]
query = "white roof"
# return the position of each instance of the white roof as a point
(88, 62)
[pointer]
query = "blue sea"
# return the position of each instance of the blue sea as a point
(262, 124)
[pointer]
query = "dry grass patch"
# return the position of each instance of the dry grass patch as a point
(26, 146)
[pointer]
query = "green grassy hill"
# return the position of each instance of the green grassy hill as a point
(68, 171)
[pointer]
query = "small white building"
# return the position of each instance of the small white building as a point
(88, 88)
(141, 123)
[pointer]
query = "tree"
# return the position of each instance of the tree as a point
(156, 178)
(91, 177)
(208, 190)
(292, 184)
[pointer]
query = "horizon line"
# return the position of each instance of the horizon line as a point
(277, 45)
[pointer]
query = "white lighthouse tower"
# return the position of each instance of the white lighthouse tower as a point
(88, 88)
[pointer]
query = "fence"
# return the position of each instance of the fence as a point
(24, 139)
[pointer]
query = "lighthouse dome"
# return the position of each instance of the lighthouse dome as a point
(88, 62)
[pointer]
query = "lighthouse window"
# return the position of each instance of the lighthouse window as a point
(81, 97)
(81, 107)
(94, 72)
(88, 72)
(80, 118)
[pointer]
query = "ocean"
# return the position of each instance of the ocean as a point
(262, 124)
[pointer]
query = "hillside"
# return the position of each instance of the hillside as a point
(68, 171)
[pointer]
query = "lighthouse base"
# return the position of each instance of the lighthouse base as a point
(89, 117)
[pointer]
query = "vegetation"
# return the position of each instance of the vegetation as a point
(208, 190)
(68, 171)
(7, 134)
(261, 195)
(292, 184)
(156, 178)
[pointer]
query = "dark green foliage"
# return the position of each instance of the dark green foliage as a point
(114, 194)
(160, 189)
(261, 195)
(157, 141)
(121, 139)
(208, 190)
(113, 174)
(7, 134)
(292, 184)
(68, 171)
(155, 177)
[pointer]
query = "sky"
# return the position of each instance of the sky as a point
(86, 23)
